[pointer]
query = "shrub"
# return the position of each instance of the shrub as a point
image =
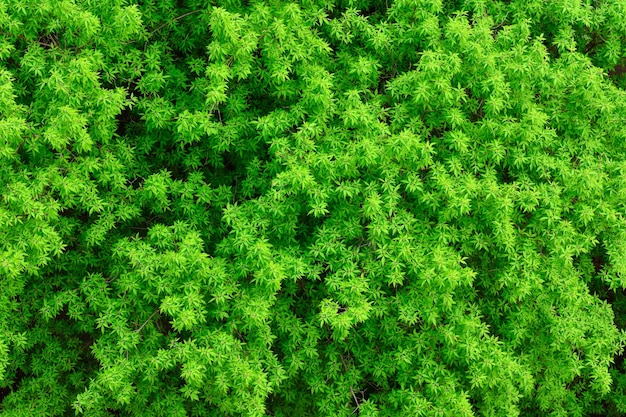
(314, 208)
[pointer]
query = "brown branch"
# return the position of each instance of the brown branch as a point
(593, 44)
(356, 401)
(343, 362)
(617, 70)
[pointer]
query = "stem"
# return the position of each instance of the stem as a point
(174, 19)
(146, 322)
(355, 400)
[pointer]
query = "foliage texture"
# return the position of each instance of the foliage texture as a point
(312, 208)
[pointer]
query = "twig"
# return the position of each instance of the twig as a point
(173, 20)
(146, 322)
(344, 363)
(501, 23)
(356, 401)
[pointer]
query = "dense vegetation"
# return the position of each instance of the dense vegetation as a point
(312, 208)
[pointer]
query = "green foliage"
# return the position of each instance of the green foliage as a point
(312, 208)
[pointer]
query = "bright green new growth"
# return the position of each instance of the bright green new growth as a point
(313, 208)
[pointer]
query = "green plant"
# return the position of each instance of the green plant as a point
(313, 208)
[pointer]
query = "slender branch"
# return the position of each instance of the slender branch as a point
(356, 401)
(146, 322)
(182, 16)
(344, 363)
(499, 25)
(597, 41)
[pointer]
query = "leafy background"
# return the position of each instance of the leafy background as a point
(314, 208)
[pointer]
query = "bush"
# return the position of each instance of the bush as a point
(314, 208)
